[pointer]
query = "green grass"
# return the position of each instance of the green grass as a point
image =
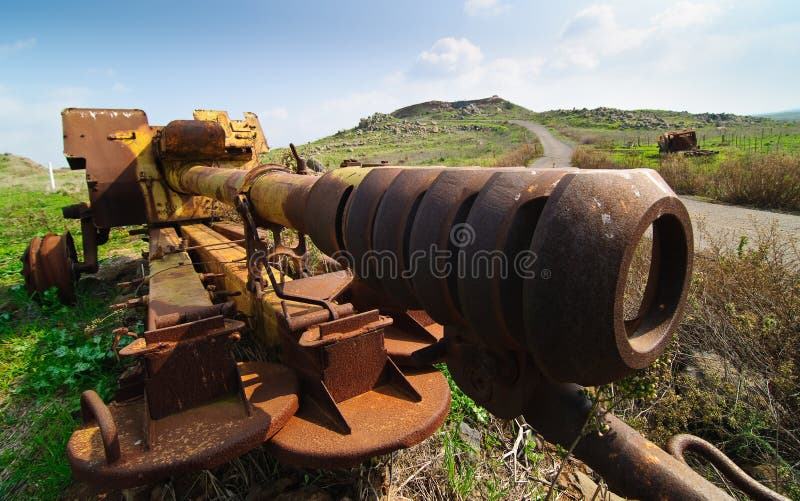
(477, 141)
(49, 352)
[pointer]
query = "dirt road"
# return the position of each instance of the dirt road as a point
(712, 222)
(557, 153)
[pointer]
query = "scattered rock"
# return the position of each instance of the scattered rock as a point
(469, 435)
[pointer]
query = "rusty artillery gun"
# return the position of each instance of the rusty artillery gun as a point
(514, 277)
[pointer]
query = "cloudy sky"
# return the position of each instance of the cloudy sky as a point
(310, 68)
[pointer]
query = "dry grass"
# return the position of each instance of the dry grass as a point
(767, 180)
(733, 374)
(521, 155)
(586, 157)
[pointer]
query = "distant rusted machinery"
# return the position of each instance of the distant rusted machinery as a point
(683, 141)
(514, 277)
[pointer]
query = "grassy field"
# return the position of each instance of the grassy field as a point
(49, 353)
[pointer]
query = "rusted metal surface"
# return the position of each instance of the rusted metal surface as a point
(501, 380)
(94, 409)
(631, 465)
(325, 207)
(230, 260)
(502, 221)
(588, 258)
(202, 437)
(175, 287)
(391, 230)
(188, 364)
(382, 420)
(48, 262)
(445, 206)
(413, 332)
(110, 166)
(244, 139)
(679, 445)
(192, 139)
(359, 219)
(281, 198)
(346, 355)
(677, 140)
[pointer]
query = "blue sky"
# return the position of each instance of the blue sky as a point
(311, 68)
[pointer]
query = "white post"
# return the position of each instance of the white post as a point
(52, 179)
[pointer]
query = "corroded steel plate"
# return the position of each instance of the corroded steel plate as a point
(47, 262)
(203, 437)
(382, 420)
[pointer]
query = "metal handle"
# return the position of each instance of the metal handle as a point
(680, 444)
(94, 409)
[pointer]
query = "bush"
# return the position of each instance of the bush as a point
(733, 373)
(589, 158)
(769, 180)
(520, 156)
(685, 176)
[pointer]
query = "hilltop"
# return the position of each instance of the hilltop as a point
(13, 166)
(475, 132)
(490, 107)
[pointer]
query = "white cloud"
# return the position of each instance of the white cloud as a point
(10, 48)
(510, 71)
(449, 56)
(484, 7)
(593, 34)
(684, 14)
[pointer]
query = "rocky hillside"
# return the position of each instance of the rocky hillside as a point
(613, 118)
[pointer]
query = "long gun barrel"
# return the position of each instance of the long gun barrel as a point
(519, 279)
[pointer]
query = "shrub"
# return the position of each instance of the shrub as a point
(590, 158)
(522, 155)
(733, 373)
(769, 180)
(685, 176)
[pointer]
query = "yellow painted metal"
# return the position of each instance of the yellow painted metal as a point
(244, 142)
(161, 203)
(276, 196)
(219, 183)
(175, 287)
(351, 175)
(245, 133)
(280, 197)
(221, 256)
